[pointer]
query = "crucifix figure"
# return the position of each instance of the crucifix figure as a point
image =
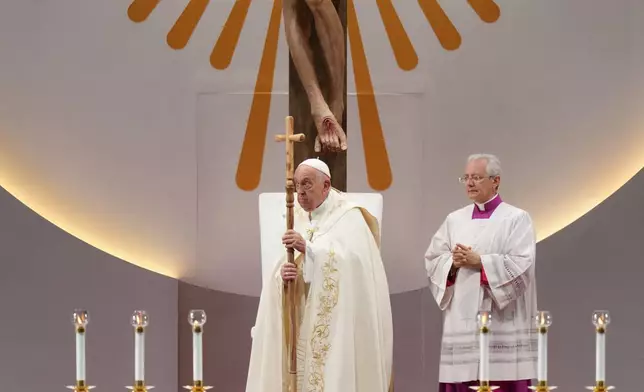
(316, 38)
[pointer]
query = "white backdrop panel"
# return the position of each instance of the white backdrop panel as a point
(402, 116)
(228, 245)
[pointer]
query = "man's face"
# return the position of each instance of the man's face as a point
(311, 187)
(478, 184)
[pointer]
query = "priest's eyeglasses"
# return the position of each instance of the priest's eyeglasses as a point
(304, 185)
(477, 179)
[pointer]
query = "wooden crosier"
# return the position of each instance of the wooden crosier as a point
(289, 138)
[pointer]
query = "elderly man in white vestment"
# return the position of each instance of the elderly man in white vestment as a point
(483, 258)
(345, 341)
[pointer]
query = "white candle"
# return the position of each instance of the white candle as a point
(139, 356)
(80, 355)
(543, 321)
(485, 358)
(601, 319)
(542, 367)
(197, 355)
(600, 357)
(197, 319)
(484, 319)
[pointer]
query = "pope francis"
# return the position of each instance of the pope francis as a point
(345, 341)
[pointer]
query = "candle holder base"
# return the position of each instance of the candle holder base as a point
(197, 386)
(600, 386)
(139, 386)
(80, 386)
(484, 387)
(542, 386)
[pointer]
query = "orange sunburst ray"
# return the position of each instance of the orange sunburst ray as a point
(183, 28)
(222, 53)
(487, 10)
(139, 10)
(444, 29)
(376, 156)
(373, 139)
(401, 45)
(249, 168)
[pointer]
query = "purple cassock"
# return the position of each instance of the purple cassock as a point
(488, 208)
(504, 386)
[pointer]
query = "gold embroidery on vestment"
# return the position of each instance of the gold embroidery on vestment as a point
(320, 345)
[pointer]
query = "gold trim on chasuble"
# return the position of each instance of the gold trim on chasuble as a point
(328, 300)
(320, 345)
(373, 225)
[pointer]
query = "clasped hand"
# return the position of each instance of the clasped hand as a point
(463, 256)
(289, 272)
(292, 240)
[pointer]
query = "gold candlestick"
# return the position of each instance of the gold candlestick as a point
(484, 386)
(600, 386)
(139, 386)
(80, 386)
(197, 386)
(542, 386)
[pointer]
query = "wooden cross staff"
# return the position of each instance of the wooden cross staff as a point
(290, 138)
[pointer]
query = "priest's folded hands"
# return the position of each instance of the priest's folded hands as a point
(463, 256)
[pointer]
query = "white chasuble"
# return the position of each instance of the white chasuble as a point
(506, 243)
(345, 341)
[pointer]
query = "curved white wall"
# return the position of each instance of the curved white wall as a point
(46, 274)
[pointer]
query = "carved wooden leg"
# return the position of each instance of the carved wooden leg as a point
(297, 40)
(331, 136)
(331, 34)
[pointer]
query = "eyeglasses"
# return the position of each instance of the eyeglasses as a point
(477, 179)
(306, 185)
